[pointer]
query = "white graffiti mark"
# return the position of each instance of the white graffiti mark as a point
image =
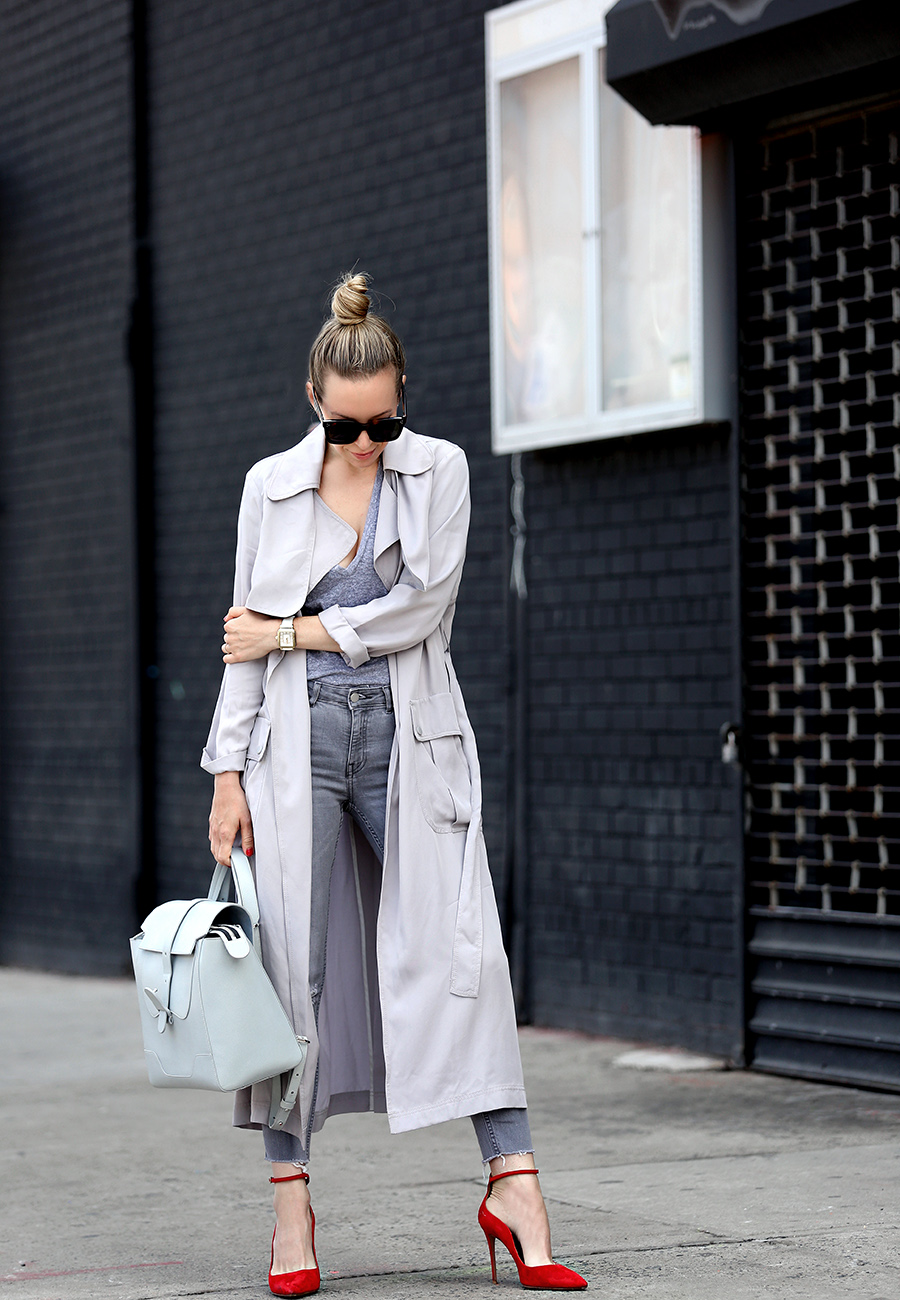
(674, 13)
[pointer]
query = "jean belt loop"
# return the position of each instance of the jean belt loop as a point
(314, 688)
(388, 699)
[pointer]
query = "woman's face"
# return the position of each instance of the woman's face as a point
(367, 400)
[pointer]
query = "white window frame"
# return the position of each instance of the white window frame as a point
(524, 37)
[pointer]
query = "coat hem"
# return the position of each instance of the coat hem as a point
(343, 1103)
(467, 1103)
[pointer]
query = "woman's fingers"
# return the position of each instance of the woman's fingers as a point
(219, 844)
(228, 818)
(230, 647)
(247, 835)
(234, 639)
(221, 848)
(247, 635)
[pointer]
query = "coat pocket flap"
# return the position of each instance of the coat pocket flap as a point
(434, 716)
(259, 738)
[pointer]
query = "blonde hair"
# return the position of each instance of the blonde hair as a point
(354, 342)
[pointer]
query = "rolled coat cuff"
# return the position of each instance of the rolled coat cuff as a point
(227, 763)
(353, 649)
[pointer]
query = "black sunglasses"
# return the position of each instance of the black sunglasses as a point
(344, 432)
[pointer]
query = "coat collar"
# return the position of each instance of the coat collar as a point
(300, 468)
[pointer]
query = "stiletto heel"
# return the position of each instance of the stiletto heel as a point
(539, 1277)
(490, 1241)
(304, 1281)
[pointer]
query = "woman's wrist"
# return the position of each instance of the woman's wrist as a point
(285, 633)
(311, 635)
(227, 778)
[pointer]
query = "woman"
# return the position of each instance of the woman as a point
(339, 696)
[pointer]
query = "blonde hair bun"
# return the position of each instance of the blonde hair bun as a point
(350, 301)
(354, 341)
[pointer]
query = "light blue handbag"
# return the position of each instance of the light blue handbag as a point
(209, 1014)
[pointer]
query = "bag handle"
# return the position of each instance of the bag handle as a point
(243, 884)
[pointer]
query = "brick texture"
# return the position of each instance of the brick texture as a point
(633, 850)
(821, 463)
(67, 684)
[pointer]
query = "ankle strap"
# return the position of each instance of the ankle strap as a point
(290, 1178)
(511, 1173)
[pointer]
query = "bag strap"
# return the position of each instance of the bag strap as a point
(243, 883)
(285, 1098)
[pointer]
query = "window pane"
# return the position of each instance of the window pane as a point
(541, 244)
(645, 176)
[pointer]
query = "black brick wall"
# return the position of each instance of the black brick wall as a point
(66, 680)
(635, 868)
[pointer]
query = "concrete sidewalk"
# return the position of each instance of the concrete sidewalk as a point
(660, 1185)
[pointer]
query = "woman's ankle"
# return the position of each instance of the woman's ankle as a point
(510, 1164)
(293, 1170)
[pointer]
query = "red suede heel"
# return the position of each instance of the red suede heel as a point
(304, 1281)
(541, 1277)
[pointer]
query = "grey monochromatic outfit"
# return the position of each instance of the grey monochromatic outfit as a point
(415, 1012)
(351, 739)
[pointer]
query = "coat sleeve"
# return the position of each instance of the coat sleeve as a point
(241, 692)
(412, 609)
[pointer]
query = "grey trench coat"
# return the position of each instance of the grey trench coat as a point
(417, 1014)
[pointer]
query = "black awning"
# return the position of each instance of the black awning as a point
(706, 61)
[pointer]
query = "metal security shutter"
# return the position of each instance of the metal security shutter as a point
(820, 321)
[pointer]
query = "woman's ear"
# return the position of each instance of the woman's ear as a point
(310, 393)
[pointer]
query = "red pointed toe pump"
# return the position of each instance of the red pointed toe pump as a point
(541, 1277)
(305, 1280)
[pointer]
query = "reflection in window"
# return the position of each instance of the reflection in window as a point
(542, 270)
(645, 177)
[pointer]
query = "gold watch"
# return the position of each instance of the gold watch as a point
(287, 637)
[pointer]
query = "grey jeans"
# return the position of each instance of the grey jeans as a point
(351, 736)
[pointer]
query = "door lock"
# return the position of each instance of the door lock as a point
(730, 734)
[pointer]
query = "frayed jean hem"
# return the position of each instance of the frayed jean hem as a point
(503, 1132)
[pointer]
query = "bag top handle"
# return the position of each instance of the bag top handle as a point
(243, 883)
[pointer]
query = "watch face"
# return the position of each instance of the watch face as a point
(286, 638)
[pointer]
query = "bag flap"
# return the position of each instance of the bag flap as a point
(161, 926)
(176, 926)
(433, 716)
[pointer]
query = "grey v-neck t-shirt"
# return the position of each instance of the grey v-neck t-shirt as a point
(356, 584)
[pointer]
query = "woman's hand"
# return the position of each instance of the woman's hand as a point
(229, 816)
(248, 635)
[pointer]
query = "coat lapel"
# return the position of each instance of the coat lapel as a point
(405, 464)
(298, 544)
(281, 570)
(287, 534)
